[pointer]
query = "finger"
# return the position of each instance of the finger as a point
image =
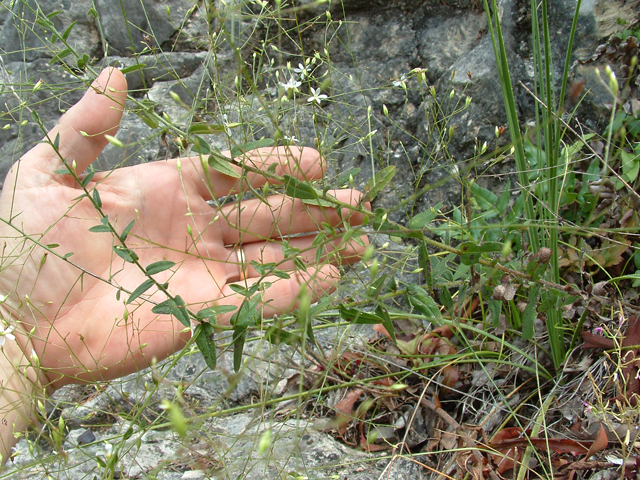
(256, 220)
(83, 127)
(283, 295)
(308, 250)
(300, 162)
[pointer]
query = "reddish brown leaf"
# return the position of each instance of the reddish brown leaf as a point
(600, 443)
(378, 327)
(345, 406)
(509, 455)
(558, 445)
(450, 376)
(596, 341)
(512, 442)
(372, 447)
(632, 341)
(345, 410)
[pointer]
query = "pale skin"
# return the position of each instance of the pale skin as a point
(68, 325)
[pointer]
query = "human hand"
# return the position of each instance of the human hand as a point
(67, 311)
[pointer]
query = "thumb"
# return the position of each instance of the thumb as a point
(83, 127)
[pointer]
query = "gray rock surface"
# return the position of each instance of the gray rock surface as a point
(184, 51)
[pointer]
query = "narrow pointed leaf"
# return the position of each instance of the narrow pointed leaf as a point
(143, 287)
(96, 198)
(127, 255)
(379, 181)
(247, 147)
(207, 345)
(127, 229)
(222, 164)
(158, 267)
(100, 229)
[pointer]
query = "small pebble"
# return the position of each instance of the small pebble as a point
(86, 437)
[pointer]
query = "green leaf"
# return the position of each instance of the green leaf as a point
(425, 263)
(486, 198)
(127, 229)
(133, 68)
(82, 61)
(201, 146)
(173, 306)
(67, 32)
(149, 122)
(359, 317)
(240, 150)
(276, 336)
(212, 313)
(146, 285)
(222, 164)
(503, 200)
(630, 166)
(96, 198)
(495, 307)
(87, 178)
(343, 177)
(376, 184)
(100, 229)
(424, 218)
(126, 254)
(53, 14)
(207, 345)
(386, 322)
(422, 301)
(298, 189)
(375, 288)
(304, 191)
(64, 53)
(158, 267)
(241, 321)
(380, 221)
(446, 299)
(210, 128)
(128, 433)
(471, 252)
(530, 312)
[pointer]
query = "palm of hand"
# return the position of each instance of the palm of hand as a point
(81, 329)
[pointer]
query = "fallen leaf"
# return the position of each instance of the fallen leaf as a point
(512, 442)
(345, 409)
(600, 443)
(596, 341)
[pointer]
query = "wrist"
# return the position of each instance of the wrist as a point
(21, 385)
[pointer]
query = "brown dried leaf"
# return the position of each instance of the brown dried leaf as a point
(345, 410)
(345, 406)
(632, 341)
(600, 443)
(508, 456)
(596, 341)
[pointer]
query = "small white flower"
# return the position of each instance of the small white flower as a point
(5, 334)
(401, 82)
(106, 453)
(302, 71)
(226, 124)
(291, 140)
(292, 84)
(316, 96)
